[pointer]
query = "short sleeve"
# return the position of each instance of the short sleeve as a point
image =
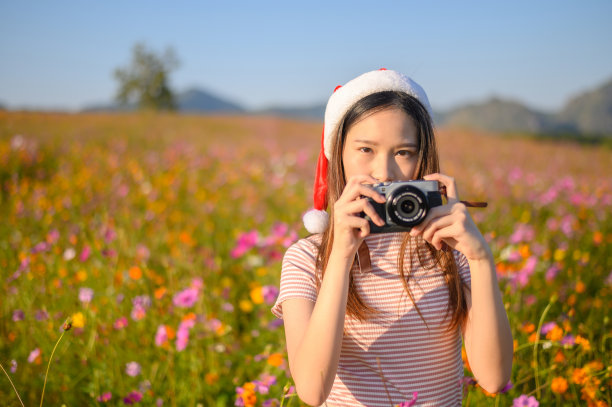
(297, 274)
(463, 267)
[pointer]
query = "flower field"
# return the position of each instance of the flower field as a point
(159, 238)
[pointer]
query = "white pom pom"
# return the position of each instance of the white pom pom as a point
(315, 221)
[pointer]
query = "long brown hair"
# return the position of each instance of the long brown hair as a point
(427, 164)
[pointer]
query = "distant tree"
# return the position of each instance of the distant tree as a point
(145, 81)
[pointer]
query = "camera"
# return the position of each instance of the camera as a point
(407, 204)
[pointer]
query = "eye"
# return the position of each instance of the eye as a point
(365, 149)
(405, 153)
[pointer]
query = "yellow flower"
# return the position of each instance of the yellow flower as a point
(559, 385)
(245, 305)
(257, 295)
(81, 275)
(78, 320)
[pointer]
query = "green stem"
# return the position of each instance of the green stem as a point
(9, 377)
(536, 343)
(42, 396)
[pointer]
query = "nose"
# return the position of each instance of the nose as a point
(385, 169)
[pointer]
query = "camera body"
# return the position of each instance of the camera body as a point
(407, 204)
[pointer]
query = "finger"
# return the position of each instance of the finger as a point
(363, 206)
(435, 225)
(432, 215)
(449, 182)
(355, 191)
(444, 237)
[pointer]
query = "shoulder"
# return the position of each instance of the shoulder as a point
(305, 249)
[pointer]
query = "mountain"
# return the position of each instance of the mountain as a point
(197, 101)
(316, 112)
(497, 115)
(189, 101)
(588, 114)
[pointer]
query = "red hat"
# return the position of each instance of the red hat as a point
(344, 97)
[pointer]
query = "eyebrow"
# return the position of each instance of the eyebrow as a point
(374, 143)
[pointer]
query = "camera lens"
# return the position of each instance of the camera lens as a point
(407, 207)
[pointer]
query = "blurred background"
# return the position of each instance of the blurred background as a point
(515, 66)
(156, 159)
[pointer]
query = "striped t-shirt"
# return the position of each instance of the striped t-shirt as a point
(393, 354)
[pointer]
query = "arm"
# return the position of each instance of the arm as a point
(487, 334)
(314, 331)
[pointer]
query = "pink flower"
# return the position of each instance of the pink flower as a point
(410, 403)
(85, 253)
(525, 401)
(18, 315)
(104, 397)
(133, 397)
(13, 366)
(182, 334)
(186, 298)
(246, 242)
(34, 355)
(132, 369)
(120, 323)
(85, 295)
(161, 336)
(547, 327)
(269, 292)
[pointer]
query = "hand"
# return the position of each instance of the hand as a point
(349, 227)
(451, 224)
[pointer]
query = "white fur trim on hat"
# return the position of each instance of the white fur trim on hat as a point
(316, 221)
(366, 84)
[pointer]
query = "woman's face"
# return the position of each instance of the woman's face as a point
(383, 145)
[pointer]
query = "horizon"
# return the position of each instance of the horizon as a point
(62, 56)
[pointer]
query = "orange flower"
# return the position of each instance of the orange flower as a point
(579, 376)
(135, 273)
(584, 342)
(559, 357)
(211, 378)
(275, 359)
(528, 327)
(555, 334)
(580, 287)
(159, 293)
(559, 385)
(597, 237)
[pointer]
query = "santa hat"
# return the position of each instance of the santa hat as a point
(343, 98)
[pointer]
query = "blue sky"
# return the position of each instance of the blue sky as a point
(62, 54)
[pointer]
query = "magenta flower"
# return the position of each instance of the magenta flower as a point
(525, 401)
(246, 242)
(547, 327)
(85, 295)
(132, 369)
(411, 402)
(120, 323)
(34, 355)
(18, 315)
(133, 397)
(269, 292)
(104, 397)
(568, 340)
(186, 298)
(13, 366)
(53, 236)
(85, 253)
